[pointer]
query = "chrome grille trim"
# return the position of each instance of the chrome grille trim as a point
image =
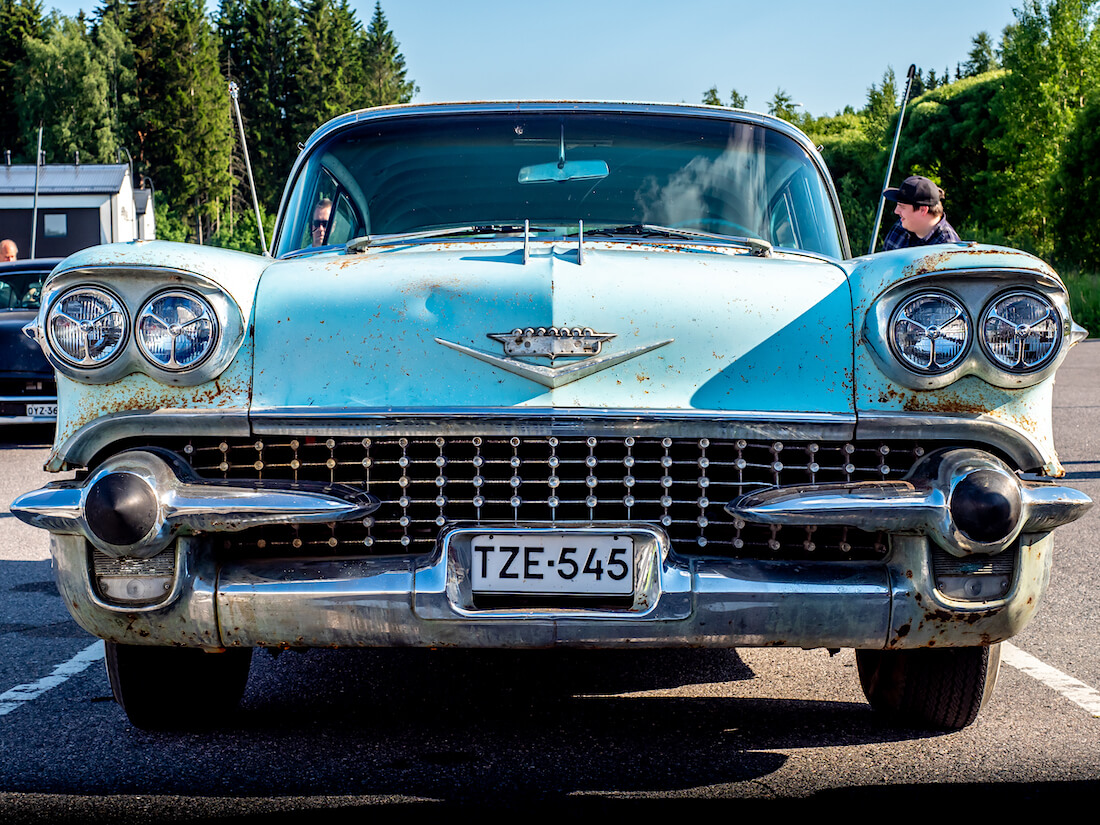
(537, 421)
(679, 484)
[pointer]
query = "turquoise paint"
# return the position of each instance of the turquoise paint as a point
(359, 331)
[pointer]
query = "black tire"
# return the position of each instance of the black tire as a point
(172, 688)
(940, 688)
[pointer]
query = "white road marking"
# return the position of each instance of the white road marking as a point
(1073, 689)
(21, 694)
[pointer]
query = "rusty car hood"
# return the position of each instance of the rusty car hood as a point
(697, 328)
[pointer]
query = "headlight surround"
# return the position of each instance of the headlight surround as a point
(930, 333)
(176, 330)
(1021, 331)
(87, 327)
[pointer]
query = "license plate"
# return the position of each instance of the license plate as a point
(580, 564)
(42, 410)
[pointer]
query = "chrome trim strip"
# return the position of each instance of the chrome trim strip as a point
(552, 421)
(81, 447)
(1015, 443)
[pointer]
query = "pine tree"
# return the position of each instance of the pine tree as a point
(328, 72)
(981, 58)
(19, 20)
(384, 65)
(63, 85)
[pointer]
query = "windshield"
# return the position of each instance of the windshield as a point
(487, 173)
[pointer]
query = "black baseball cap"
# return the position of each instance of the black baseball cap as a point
(915, 191)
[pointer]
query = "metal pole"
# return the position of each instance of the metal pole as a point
(234, 90)
(34, 209)
(893, 152)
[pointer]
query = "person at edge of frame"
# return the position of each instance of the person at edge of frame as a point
(921, 219)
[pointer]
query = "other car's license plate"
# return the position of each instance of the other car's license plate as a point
(42, 410)
(553, 563)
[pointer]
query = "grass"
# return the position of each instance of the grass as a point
(1084, 298)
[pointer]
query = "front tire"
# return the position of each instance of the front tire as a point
(166, 688)
(941, 688)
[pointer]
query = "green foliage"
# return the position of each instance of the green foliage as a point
(19, 20)
(170, 227)
(63, 86)
(384, 72)
(1051, 56)
(264, 68)
(737, 100)
(782, 106)
(242, 234)
(1084, 297)
(982, 58)
(327, 84)
(1078, 186)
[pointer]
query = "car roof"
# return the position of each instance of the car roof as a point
(29, 265)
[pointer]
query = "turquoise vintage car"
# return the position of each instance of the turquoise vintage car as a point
(536, 374)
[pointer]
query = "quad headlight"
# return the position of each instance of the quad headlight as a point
(1021, 331)
(176, 330)
(87, 327)
(930, 332)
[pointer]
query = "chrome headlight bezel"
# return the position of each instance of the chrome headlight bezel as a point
(175, 329)
(976, 290)
(135, 287)
(54, 313)
(989, 349)
(933, 333)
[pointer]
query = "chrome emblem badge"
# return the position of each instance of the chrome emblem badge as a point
(553, 343)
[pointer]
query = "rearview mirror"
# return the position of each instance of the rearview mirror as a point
(563, 171)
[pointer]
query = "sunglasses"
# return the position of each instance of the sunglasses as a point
(319, 224)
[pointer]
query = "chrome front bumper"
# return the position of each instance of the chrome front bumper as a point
(391, 602)
(144, 505)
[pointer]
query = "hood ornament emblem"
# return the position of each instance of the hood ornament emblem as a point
(553, 343)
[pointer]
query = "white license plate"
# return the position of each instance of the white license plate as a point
(582, 564)
(42, 410)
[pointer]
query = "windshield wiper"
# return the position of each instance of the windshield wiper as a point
(758, 246)
(361, 243)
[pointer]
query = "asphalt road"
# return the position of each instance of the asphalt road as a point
(369, 733)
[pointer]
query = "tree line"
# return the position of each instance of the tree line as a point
(146, 82)
(1012, 135)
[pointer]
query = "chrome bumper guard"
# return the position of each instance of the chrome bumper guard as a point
(137, 502)
(968, 501)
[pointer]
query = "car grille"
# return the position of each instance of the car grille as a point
(679, 484)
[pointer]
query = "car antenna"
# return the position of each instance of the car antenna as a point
(234, 90)
(893, 151)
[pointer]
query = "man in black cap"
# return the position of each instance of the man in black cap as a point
(921, 221)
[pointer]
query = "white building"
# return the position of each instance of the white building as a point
(79, 205)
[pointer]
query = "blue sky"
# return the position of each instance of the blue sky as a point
(824, 55)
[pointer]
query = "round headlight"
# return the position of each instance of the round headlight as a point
(930, 332)
(86, 326)
(176, 330)
(1021, 331)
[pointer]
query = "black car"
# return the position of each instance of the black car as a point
(28, 392)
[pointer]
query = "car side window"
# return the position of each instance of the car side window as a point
(20, 291)
(344, 224)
